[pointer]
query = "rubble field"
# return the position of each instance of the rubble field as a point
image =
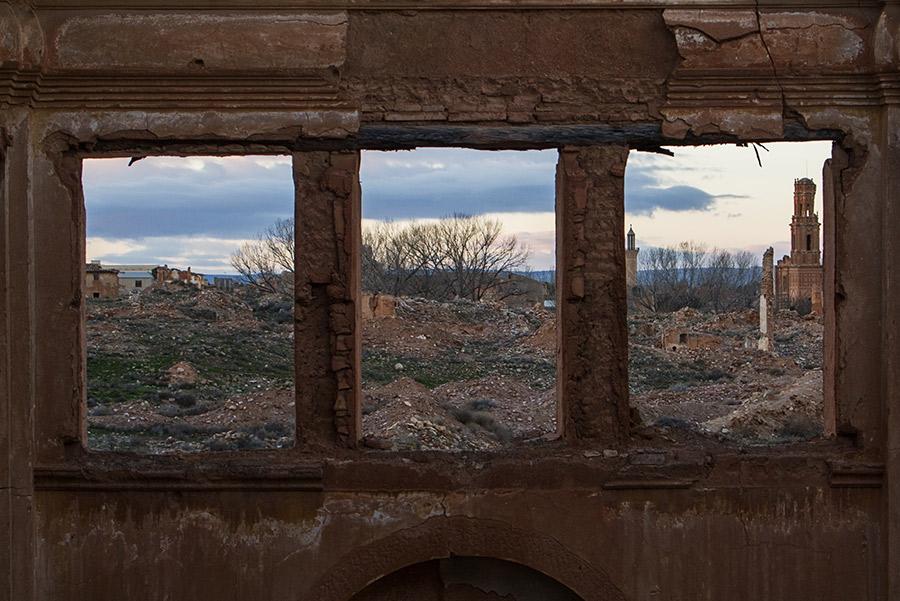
(176, 369)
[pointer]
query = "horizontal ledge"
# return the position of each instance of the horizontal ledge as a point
(66, 479)
(640, 135)
(650, 484)
(400, 136)
(427, 5)
(844, 474)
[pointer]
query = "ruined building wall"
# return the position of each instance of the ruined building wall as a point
(766, 340)
(600, 512)
(101, 284)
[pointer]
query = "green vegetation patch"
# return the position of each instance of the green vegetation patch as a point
(114, 378)
(381, 368)
(652, 371)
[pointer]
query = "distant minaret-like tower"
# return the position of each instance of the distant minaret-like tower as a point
(631, 257)
(805, 224)
(798, 277)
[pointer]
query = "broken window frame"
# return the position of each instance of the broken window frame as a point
(63, 432)
(831, 197)
(138, 151)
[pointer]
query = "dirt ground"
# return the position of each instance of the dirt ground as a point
(178, 369)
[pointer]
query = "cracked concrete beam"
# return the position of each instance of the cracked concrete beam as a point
(717, 39)
(718, 25)
(725, 39)
(803, 42)
(746, 124)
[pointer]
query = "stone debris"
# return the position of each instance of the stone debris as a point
(436, 376)
(182, 373)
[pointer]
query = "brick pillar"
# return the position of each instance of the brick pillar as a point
(326, 312)
(592, 332)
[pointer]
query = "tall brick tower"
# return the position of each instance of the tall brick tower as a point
(798, 278)
(805, 224)
(631, 256)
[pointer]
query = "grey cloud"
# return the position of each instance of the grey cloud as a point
(380, 203)
(644, 194)
(156, 250)
(237, 200)
(402, 186)
(128, 203)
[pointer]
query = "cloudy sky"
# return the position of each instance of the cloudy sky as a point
(196, 211)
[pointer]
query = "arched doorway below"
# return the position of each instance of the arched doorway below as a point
(466, 579)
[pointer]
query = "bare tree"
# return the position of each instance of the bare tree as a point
(460, 256)
(693, 257)
(730, 281)
(394, 257)
(476, 253)
(267, 263)
(659, 286)
(689, 275)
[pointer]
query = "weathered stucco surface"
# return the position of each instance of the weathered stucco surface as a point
(598, 513)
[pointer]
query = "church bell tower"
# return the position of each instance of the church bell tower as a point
(805, 224)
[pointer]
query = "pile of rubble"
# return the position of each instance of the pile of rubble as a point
(176, 369)
(702, 373)
(458, 375)
(492, 369)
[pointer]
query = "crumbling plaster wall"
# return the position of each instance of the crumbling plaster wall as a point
(607, 545)
(321, 521)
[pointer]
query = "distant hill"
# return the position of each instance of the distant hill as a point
(546, 275)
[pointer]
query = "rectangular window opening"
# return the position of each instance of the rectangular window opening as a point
(458, 298)
(725, 292)
(189, 303)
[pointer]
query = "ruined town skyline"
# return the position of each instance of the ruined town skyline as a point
(717, 196)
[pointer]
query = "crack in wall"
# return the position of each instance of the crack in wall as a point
(762, 39)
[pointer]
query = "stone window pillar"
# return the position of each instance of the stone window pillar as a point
(326, 290)
(17, 511)
(592, 343)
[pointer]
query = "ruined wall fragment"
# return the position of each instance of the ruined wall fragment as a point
(767, 303)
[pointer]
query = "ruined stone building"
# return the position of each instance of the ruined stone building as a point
(100, 281)
(602, 512)
(109, 281)
(798, 277)
(164, 274)
(677, 338)
(131, 280)
(631, 261)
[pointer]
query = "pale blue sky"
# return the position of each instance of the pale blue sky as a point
(196, 211)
